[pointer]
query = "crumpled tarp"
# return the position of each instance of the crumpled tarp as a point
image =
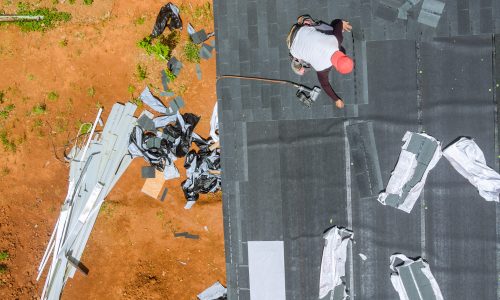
(413, 279)
(215, 292)
(333, 262)
(420, 153)
(199, 171)
(154, 103)
(214, 124)
(468, 159)
(167, 17)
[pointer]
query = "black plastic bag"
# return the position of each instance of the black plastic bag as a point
(167, 17)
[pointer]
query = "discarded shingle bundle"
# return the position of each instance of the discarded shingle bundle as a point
(333, 263)
(167, 17)
(94, 170)
(420, 153)
(413, 279)
(468, 159)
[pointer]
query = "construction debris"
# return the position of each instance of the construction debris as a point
(186, 235)
(205, 51)
(216, 292)
(413, 279)
(420, 153)
(167, 17)
(94, 170)
(333, 263)
(16, 18)
(468, 159)
(174, 65)
(202, 173)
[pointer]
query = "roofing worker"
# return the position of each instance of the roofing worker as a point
(320, 45)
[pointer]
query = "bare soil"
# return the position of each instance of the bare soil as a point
(89, 62)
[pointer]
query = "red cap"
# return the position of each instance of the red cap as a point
(342, 62)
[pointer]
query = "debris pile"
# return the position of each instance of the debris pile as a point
(94, 170)
(161, 140)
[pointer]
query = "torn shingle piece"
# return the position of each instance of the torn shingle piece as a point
(176, 103)
(205, 52)
(212, 43)
(199, 37)
(198, 71)
(413, 279)
(164, 80)
(152, 101)
(419, 154)
(164, 194)
(431, 12)
(146, 123)
(216, 291)
(386, 12)
(179, 234)
(174, 65)
(192, 236)
(148, 172)
(167, 94)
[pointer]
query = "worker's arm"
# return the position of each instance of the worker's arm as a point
(325, 84)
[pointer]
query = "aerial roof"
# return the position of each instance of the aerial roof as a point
(291, 172)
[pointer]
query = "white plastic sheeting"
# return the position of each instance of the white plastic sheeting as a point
(153, 102)
(214, 124)
(404, 171)
(333, 261)
(468, 159)
(413, 280)
(214, 292)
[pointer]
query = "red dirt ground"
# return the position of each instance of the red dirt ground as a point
(132, 253)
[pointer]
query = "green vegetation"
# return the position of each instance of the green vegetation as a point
(5, 112)
(160, 214)
(61, 124)
(4, 172)
(131, 89)
(51, 17)
(37, 123)
(39, 109)
(201, 14)
(2, 96)
(170, 75)
(4, 255)
(140, 20)
(3, 268)
(181, 90)
(191, 52)
(142, 72)
(52, 96)
(72, 1)
(84, 127)
(63, 42)
(137, 101)
(88, 2)
(31, 77)
(154, 46)
(107, 208)
(91, 91)
(8, 144)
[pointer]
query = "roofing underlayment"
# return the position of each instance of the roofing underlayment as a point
(290, 173)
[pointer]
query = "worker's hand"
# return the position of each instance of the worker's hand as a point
(346, 26)
(339, 103)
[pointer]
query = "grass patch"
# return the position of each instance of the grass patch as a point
(37, 123)
(39, 109)
(181, 89)
(91, 91)
(131, 89)
(84, 127)
(51, 17)
(142, 72)
(137, 101)
(8, 144)
(169, 74)
(61, 125)
(2, 97)
(191, 52)
(71, 1)
(200, 14)
(3, 268)
(88, 2)
(63, 42)
(154, 47)
(4, 172)
(53, 96)
(5, 112)
(107, 208)
(160, 214)
(31, 77)
(140, 20)
(4, 255)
